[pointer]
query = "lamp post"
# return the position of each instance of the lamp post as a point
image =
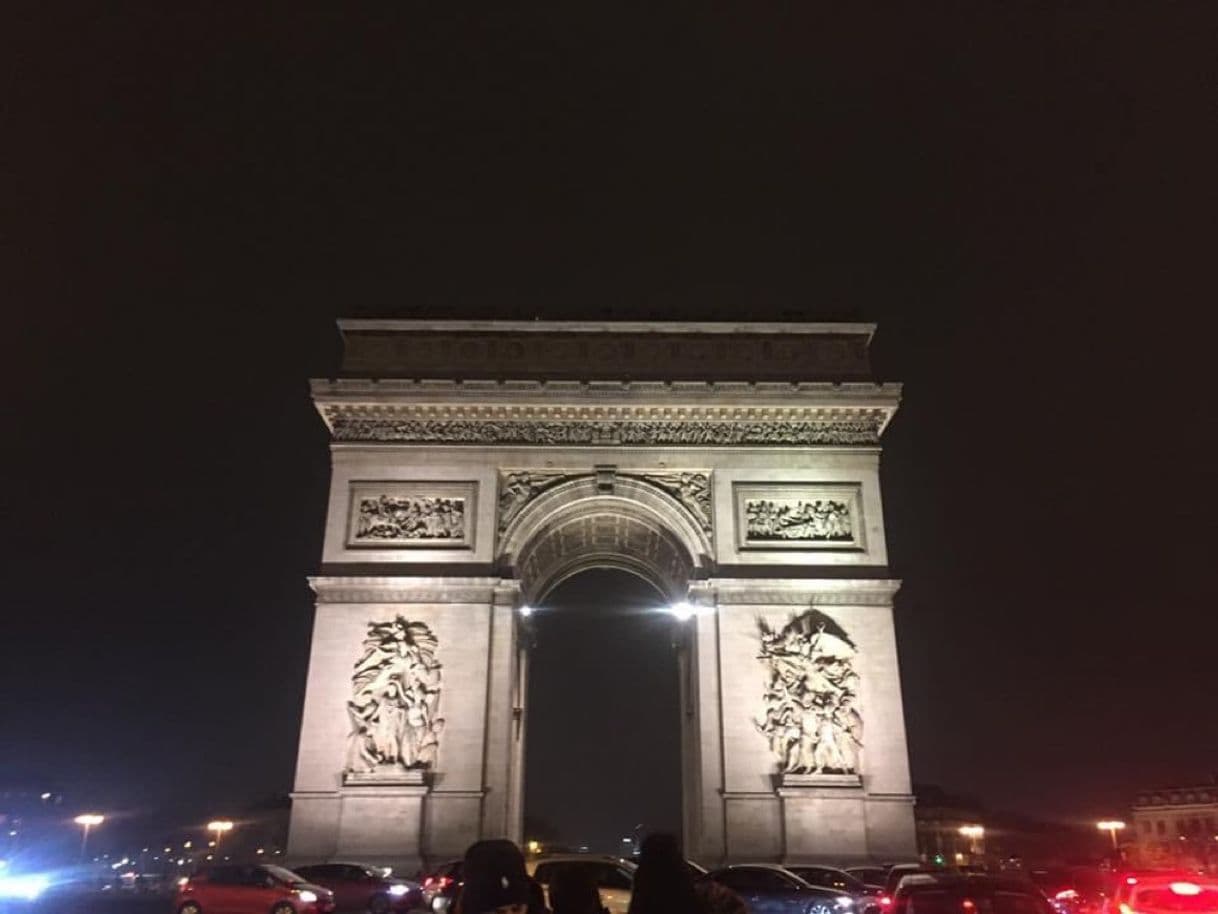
(87, 821)
(1112, 826)
(220, 827)
(974, 833)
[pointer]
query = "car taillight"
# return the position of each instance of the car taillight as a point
(437, 883)
(969, 905)
(885, 901)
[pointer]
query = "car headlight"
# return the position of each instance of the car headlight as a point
(398, 890)
(306, 896)
(24, 887)
(844, 901)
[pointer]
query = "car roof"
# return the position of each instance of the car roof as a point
(584, 858)
(965, 881)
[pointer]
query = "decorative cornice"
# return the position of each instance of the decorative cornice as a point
(391, 391)
(796, 592)
(407, 589)
(604, 426)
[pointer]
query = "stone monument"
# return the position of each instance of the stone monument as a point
(476, 465)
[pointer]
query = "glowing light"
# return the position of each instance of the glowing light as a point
(682, 611)
(89, 819)
(1110, 825)
(306, 896)
(972, 831)
(534, 847)
(1066, 895)
(526, 611)
(1186, 888)
(398, 890)
(27, 888)
(220, 825)
(1131, 880)
(46, 796)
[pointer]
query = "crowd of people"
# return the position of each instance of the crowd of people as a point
(497, 882)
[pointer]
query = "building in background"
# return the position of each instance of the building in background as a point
(1177, 826)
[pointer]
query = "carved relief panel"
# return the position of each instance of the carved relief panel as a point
(810, 713)
(799, 516)
(433, 515)
(395, 726)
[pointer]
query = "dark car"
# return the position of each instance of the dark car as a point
(1072, 890)
(901, 870)
(866, 897)
(359, 887)
(945, 893)
(241, 889)
(770, 889)
(873, 876)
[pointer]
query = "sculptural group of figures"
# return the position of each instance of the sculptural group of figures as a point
(391, 517)
(811, 696)
(822, 519)
(396, 692)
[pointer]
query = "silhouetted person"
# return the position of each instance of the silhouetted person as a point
(663, 883)
(495, 880)
(572, 891)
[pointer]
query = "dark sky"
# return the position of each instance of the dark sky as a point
(1023, 198)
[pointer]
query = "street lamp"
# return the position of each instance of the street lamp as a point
(1112, 826)
(974, 833)
(220, 827)
(87, 821)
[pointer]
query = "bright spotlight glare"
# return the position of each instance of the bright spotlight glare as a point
(24, 887)
(526, 611)
(682, 611)
(398, 890)
(306, 896)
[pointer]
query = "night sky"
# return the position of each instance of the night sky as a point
(1023, 199)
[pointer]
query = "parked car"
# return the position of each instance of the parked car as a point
(954, 893)
(866, 897)
(360, 887)
(612, 876)
(441, 886)
(770, 889)
(241, 889)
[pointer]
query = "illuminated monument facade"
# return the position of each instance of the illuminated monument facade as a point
(476, 465)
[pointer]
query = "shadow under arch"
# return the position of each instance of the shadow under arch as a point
(627, 524)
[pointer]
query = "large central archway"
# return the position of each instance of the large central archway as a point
(607, 520)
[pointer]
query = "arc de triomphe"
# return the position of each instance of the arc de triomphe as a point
(478, 464)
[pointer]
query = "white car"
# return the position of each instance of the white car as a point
(612, 876)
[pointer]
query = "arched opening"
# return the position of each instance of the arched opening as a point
(603, 741)
(610, 676)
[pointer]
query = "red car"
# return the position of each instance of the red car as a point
(251, 889)
(360, 887)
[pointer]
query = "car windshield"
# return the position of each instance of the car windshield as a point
(827, 878)
(283, 875)
(1186, 897)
